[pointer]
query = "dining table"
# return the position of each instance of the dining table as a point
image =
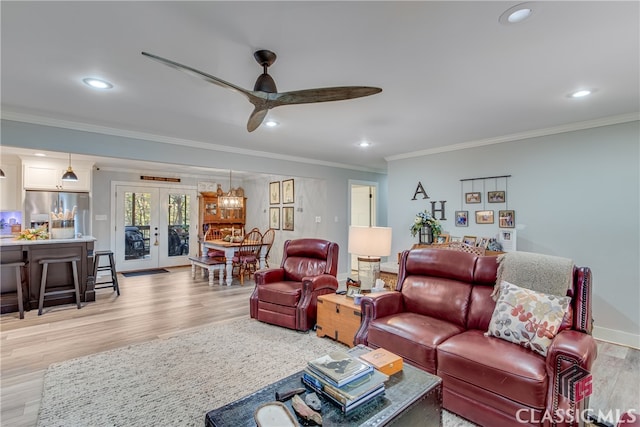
(229, 249)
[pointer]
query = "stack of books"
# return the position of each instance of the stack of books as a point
(346, 380)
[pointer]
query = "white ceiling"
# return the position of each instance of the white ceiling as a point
(451, 74)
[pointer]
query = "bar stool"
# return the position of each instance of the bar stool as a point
(43, 283)
(113, 283)
(18, 270)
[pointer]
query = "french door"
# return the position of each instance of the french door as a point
(154, 227)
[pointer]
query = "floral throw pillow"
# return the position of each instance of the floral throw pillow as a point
(526, 317)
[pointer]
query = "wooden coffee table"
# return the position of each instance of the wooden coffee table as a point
(412, 397)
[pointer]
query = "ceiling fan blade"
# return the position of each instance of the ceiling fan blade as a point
(201, 74)
(326, 94)
(256, 118)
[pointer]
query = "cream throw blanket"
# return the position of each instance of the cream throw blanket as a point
(541, 273)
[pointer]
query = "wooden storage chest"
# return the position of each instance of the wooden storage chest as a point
(338, 318)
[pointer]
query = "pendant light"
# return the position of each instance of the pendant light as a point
(230, 200)
(69, 175)
(2, 174)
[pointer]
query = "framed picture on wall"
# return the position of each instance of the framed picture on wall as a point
(507, 219)
(274, 193)
(288, 191)
(474, 197)
(495, 197)
(484, 217)
(287, 218)
(462, 218)
(274, 218)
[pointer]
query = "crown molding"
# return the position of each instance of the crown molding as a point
(86, 127)
(607, 121)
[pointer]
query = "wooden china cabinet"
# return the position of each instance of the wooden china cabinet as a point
(211, 214)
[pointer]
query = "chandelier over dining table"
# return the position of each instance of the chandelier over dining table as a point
(230, 200)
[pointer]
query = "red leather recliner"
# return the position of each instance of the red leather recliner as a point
(287, 296)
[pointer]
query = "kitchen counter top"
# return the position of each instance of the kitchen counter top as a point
(59, 275)
(15, 242)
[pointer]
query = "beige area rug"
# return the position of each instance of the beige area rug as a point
(176, 381)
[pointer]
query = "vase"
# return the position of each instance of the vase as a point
(425, 235)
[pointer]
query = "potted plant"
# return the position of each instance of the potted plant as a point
(426, 227)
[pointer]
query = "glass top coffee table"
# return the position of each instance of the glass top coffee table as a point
(412, 397)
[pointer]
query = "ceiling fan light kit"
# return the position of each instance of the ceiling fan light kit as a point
(265, 95)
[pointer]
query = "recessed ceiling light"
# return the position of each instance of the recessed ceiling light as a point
(271, 123)
(97, 83)
(364, 144)
(516, 14)
(580, 93)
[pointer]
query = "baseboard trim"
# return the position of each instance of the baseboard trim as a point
(616, 337)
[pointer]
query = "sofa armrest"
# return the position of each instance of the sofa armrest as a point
(264, 277)
(374, 308)
(312, 287)
(322, 281)
(569, 360)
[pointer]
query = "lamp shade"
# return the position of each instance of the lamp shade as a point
(370, 241)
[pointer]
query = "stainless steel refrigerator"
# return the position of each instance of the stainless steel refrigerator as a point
(38, 206)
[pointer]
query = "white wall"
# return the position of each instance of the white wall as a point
(575, 195)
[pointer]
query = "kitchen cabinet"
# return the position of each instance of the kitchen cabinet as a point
(48, 176)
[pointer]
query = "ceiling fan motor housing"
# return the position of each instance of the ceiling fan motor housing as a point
(265, 83)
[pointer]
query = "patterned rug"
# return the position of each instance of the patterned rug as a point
(176, 381)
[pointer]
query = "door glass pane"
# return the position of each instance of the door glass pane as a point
(137, 216)
(178, 214)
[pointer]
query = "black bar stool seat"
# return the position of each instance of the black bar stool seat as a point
(113, 283)
(18, 270)
(43, 283)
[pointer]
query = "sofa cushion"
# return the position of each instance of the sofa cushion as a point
(296, 268)
(495, 365)
(281, 293)
(437, 297)
(481, 306)
(439, 263)
(526, 317)
(412, 336)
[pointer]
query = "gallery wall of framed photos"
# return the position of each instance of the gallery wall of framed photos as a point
(484, 200)
(483, 197)
(281, 193)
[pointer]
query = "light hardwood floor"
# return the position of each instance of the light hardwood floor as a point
(163, 305)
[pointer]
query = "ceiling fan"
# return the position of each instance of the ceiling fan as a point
(265, 96)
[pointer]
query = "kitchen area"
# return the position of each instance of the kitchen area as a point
(44, 217)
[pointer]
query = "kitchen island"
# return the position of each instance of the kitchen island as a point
(59, 277)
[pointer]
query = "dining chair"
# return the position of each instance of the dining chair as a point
(214, 234)
(267, 240)
(247, 256)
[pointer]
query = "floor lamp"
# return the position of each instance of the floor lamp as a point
(369, 244)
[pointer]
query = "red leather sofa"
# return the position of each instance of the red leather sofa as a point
(288, 296)
(437, 321)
